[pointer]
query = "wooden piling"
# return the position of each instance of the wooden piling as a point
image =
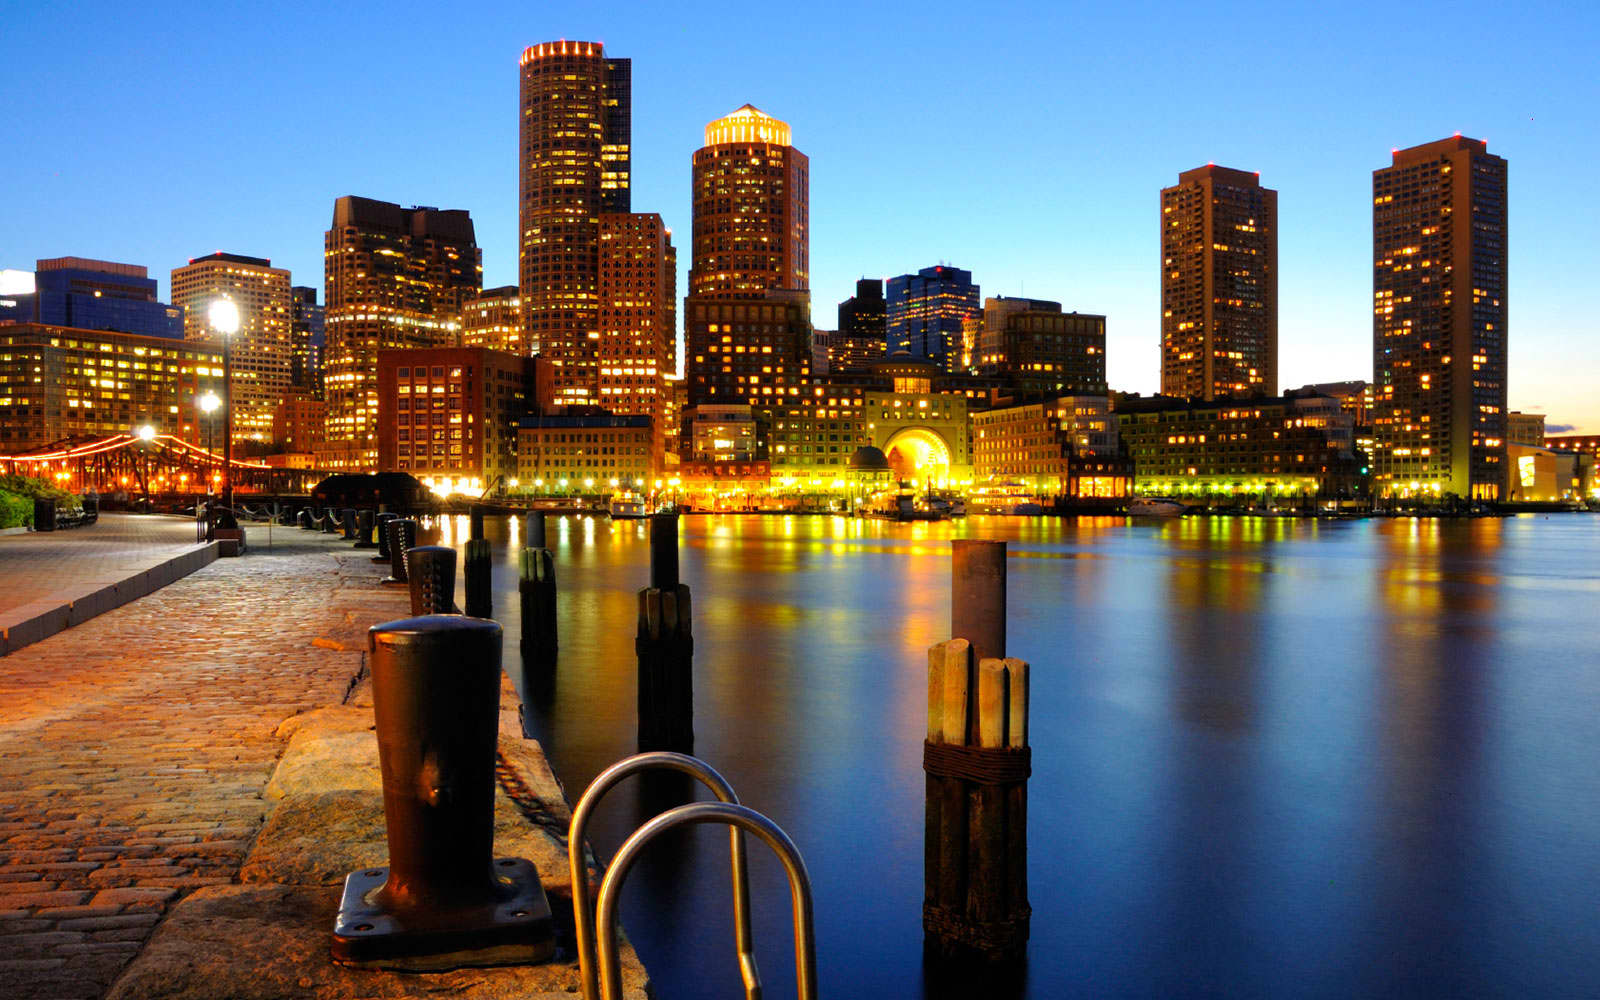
(976, 757)
(536, 588)
(665, 647)
(476, 571)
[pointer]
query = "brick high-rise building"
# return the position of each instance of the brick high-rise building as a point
(1040, 350)
(260, 353)
(747, 351)
(637, 348)
(1439, 321)
(1219, 285)
(573, 164)
(396, 278)
(752, 228)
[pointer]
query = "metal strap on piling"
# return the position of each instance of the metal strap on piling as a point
(583, 918)
(738, 817)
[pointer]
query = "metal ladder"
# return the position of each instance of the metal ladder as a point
(599, 965)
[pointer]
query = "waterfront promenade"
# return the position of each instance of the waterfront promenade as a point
(135, 750)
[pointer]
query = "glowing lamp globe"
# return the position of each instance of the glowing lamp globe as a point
(209, 403)
(147, 433)
(224, 316)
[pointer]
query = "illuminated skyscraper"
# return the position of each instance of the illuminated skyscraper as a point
(1439, 321)
(862, 337)
(752, 228)
(308, 344)
(926, 311)
(573, 163)
(1219, 285)
(493, 319)
(638, 317)
(396, 277)
(260, 353)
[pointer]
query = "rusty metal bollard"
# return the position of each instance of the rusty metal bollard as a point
(665, 647)
(364, 530)
(444, 900)
(431, 573)
(402, 537)
(381, 529)
(347, 521)
(329, 525)
(303, 519)
(536, 587)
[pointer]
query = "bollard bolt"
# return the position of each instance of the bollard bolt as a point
(444, 900)
(431, 571)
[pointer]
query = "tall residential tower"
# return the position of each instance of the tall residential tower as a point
(573, 164)
(1439, 321)
(752, 198)
(1219, 285)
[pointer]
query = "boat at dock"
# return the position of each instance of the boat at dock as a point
(627, 508)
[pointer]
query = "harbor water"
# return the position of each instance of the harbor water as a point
(1271, 757)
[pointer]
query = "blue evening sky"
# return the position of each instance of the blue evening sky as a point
(1025, 142)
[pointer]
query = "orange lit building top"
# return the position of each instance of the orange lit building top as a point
(748, 124)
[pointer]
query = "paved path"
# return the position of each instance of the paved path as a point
(134, 748)
(46, 564)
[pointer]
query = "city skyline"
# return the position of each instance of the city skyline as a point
(1058, 218)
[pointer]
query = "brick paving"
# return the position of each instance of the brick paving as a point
(134, 749)
(43, 564)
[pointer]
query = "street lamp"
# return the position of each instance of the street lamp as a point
(208, 404)
(224, 318)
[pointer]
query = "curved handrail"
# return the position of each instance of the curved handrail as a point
(738, 817)
(583, 914)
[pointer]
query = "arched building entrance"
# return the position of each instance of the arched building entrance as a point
(920, 455)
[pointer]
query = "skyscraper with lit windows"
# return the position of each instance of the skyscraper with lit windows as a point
(395, 277)
(1439, 321)
(1219, 285)
(261, 352)
(927, 310)
(574, 159)
(752, 205)
(638, 316)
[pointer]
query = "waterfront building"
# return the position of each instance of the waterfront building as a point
(493, 319)
(87, 294)
(450, 415)
(1039, 350)
(752, 202)
(1063, 449)
(721, 433)
(755, 351)
(260, 352)
(396, 278)
(925, 313)
(1219, 285)
(593, 452)
(638, 318)
(1439, 316)
(573, 164)
(1537, 474)
(863, 335)
(1262, 446)
(298, 425)
(59, 382)
(307, 341)
(1525, 428)
(1588, 443)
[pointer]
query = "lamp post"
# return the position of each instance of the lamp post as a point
(224, 318)
(208, 405)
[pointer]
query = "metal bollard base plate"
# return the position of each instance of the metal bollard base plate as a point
(515, 928)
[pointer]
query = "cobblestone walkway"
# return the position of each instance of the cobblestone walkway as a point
(134, 749)
(43, 564)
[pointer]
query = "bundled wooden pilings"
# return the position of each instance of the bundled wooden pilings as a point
(536, 587)
(665, 645)
(977, 761)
